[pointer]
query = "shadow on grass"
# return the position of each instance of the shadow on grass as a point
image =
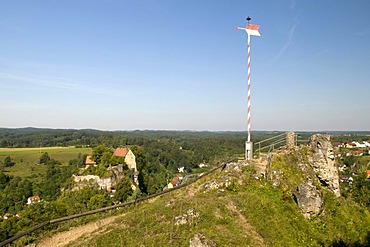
(341, 243)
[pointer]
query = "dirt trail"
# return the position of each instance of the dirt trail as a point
(248, 228)
(64, 238)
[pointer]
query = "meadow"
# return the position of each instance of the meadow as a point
(26, 159)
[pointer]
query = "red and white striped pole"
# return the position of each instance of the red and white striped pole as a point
(249, 88)
(250, 30)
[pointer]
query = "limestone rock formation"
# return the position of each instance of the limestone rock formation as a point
(103, 183)
(308, 198)
(323, 162)
(186, 218)
(201, 240)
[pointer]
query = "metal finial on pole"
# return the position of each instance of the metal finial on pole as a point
(250, 30)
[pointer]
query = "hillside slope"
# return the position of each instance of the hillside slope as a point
(233, 207)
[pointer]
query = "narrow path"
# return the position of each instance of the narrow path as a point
(248, 228)
(64, 238)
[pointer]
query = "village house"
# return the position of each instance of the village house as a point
(130, 161)
(33, 199)
(128, 156)
(357, 153)
(7, 216)
(176, 181)
(89, 161)
(355, 144)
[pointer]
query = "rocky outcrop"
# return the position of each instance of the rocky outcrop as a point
(201, 240)
(81, 181)
(309, 199)
(103, 183)
(323, 162)
(186, 218)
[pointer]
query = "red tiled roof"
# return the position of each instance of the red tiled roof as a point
(34, 198)
(120, 152)
(89, 161)
(175, 181)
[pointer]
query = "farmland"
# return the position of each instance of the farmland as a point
(26, 159)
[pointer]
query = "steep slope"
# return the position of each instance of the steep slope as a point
(233, 207)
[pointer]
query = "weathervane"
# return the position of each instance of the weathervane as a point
(250, 29)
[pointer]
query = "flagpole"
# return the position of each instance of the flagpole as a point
(250, 30)
(249, 89)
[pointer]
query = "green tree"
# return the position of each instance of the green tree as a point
(361, 189)
(44, 158)
(8, 162)
(4, 179)
(123, 189)
(99, 201)
(102, 154)
(78, 201)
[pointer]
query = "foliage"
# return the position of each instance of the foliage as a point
(87, 198)
(8, 162)
(102, 154)
(4, 180)
(123, 189)
(79, 161)
(44, 158)
(288, 164)
(361, 189)
(14, 195)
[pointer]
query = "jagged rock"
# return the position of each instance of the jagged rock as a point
(323, 162)
(201, 240)
(186, 218)
(213, 185)
(116, 173)
(235, 166)
(309, 198)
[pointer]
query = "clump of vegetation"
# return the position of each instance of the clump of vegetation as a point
(288, 164)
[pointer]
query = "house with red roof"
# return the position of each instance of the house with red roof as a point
(130, 160)
(7, 216)
(89, 161)
(176, 181)
(128, 156)
(33, 199)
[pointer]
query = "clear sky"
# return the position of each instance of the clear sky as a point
(181, 65)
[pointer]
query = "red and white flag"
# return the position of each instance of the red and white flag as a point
(253, 29)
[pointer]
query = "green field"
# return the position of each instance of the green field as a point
(26, 159)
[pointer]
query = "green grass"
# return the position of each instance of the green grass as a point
(253, 214)
(26, 159)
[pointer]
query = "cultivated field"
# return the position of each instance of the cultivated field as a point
(26, 159)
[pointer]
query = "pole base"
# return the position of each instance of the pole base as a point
(248, 150)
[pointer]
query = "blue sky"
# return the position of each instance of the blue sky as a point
(181, 65)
